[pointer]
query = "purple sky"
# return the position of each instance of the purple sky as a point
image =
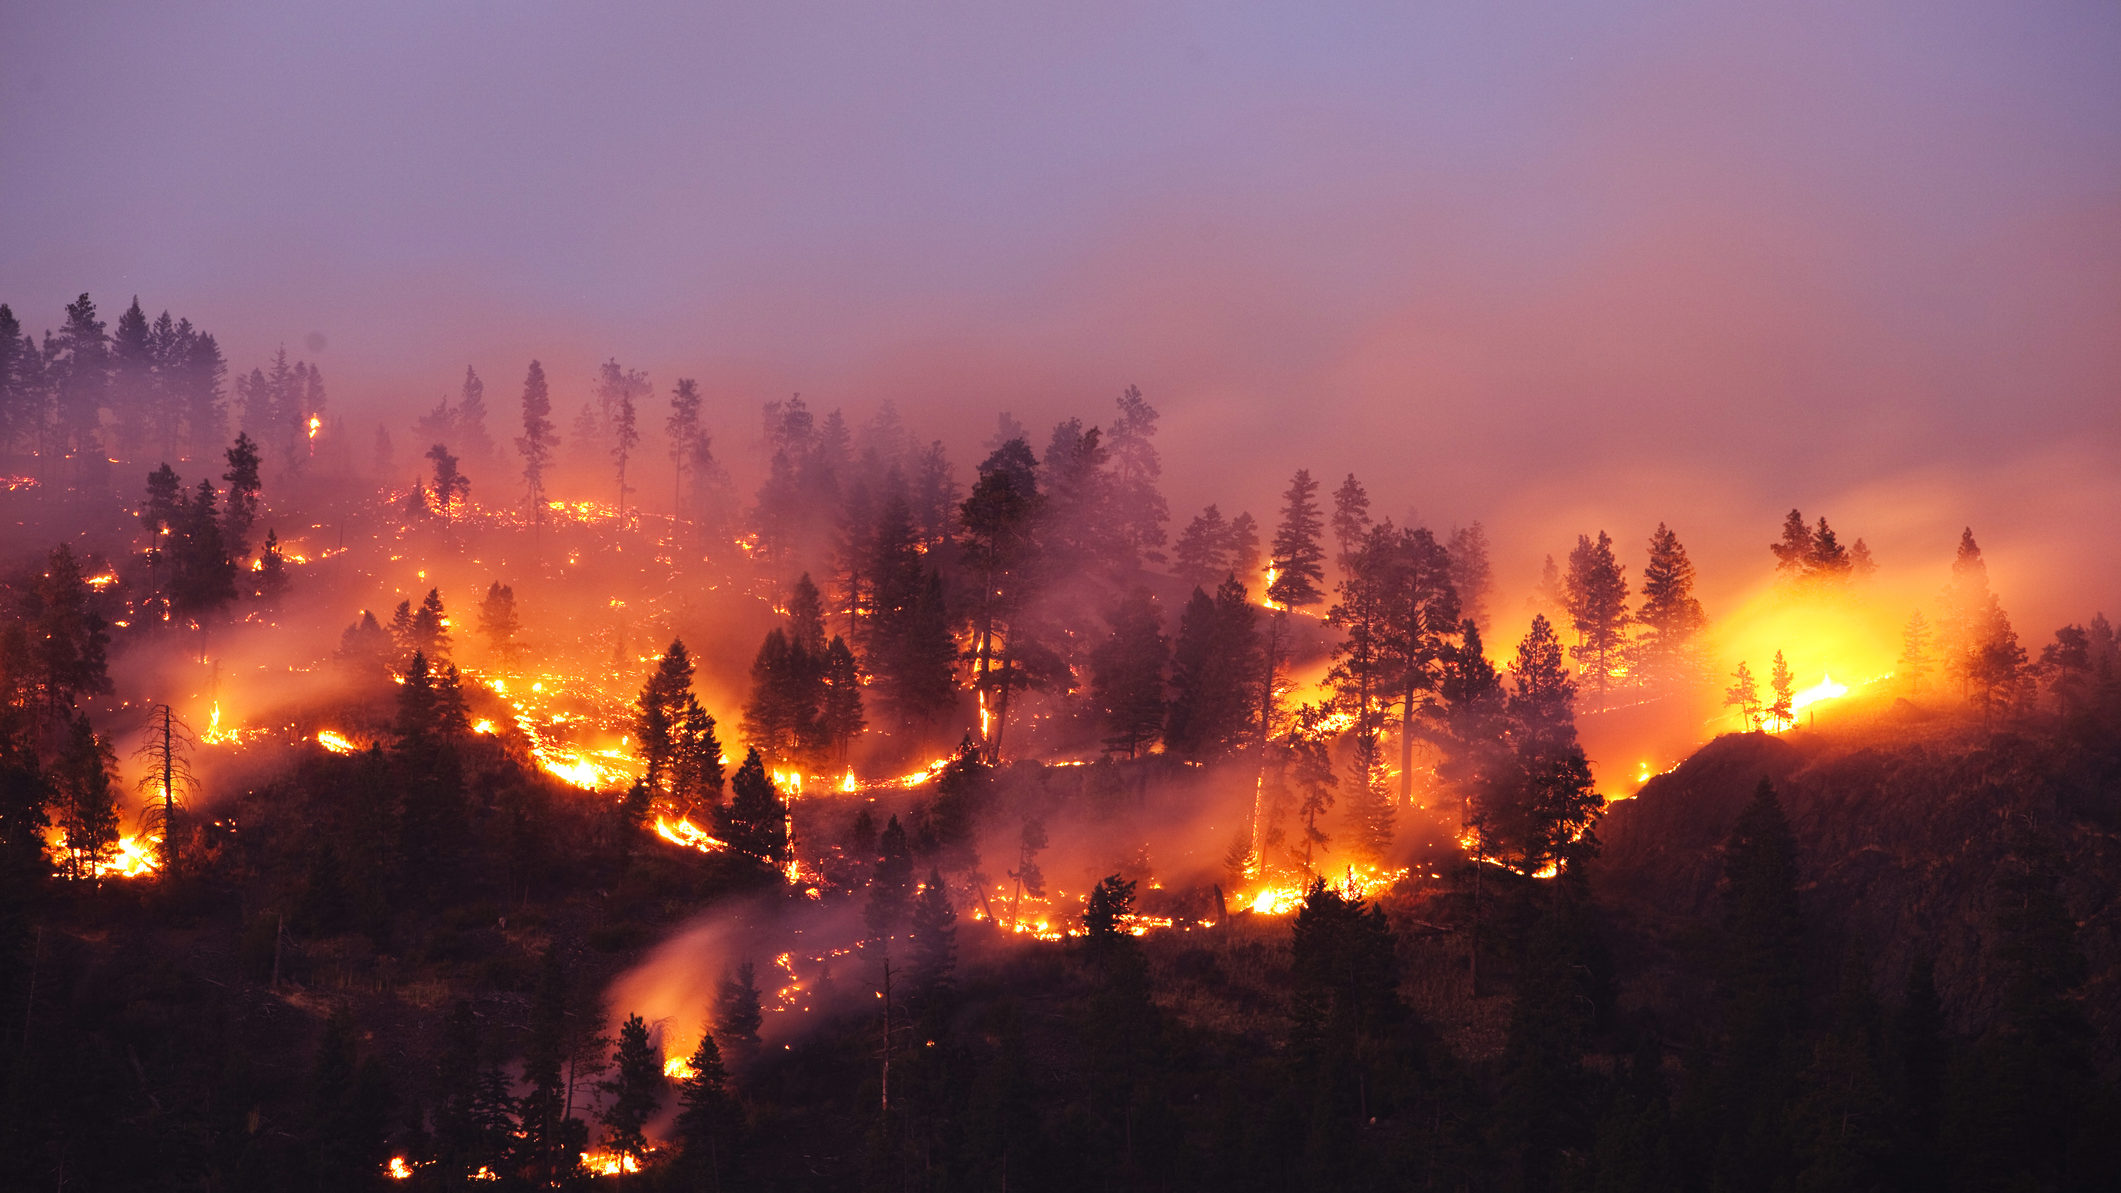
(1548, 265)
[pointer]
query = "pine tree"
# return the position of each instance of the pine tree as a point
(1127, 675)
(79, 361)
(241, 512)
(550, 1140)
(1000, 546)
(1744, 695)
(1965, 614)
(1671, 618)
(840, 717)
(1783, 709)
(890, 886)
(1369, 802)
(1030, 842)
(537, 441)
(1472, 575)
(131, 393)
(1311, 774)
(1241, 545)
(635, 1091)
(683, 427)
(1793, 555)
(1138, 508)
(68, 639)
(451, 487)
(708, 1120)
(272, 569)
(1596, 594)
(1351, 520)
(659, 719)
(1200, 557)
(470, 425)
(738, 1014)
(1297, 562)
(934, 940)
(500, 625)
(1215, 664)
(757, 820)
(88, 806)
(1421, 615)
(203, 578)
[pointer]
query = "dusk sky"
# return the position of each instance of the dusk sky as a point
(1552, 266)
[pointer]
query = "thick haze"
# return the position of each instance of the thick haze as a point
(1544, 265)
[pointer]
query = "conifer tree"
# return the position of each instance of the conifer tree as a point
(470, 434)
(1671, 618)
(1744, 695)
(1200, 557)
(1793, 554)
(683, 427)
(634, 1091)
(203, 578)
(840, 718)
(1369, 802)
(550, 1139)
(1472, 575)
(757, 820)
(67, 637)
(708, 1120)
(1030, 842)
(451, 486)
(272, 568)
(1421, 615)
(1000, 546)
(1783, 709)
(88, 805)
(1351, 520)
(1595, 592)
(739, 1017)
(1241, 545)
(1127, 674)
(538, 439)
(1139, 512)
(132, 381)
(241, 512)
(1215, 664)
(1298, 559)
(659, 718)
(79, 362)
(934, 939)
(890, 885)
(500, 625)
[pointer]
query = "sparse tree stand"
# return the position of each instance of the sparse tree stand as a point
(1298, 571)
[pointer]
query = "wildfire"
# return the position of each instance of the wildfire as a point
(103, 581)
(678, 1068)
(1357, 882)
(603, 1163)
(336, 742)
(683, 832)
(397, 1169)
(847, 784)
(136, 858)
(1825, 689)
(315, 424)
